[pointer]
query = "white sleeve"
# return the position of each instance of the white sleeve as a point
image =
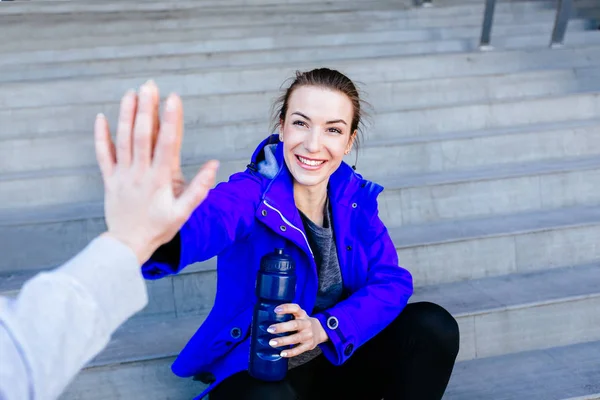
(63, 318)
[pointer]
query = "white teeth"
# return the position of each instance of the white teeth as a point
(310, 162)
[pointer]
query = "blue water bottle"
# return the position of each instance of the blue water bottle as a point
(275, 285)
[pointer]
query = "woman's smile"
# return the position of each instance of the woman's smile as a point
(316, 133)
(310, 163)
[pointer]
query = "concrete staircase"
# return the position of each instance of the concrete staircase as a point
(491, 162)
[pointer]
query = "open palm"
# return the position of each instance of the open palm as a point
(146, 199)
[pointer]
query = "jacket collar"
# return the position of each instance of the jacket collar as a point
(345, 185)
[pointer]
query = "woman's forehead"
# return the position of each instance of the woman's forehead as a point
(320, 103)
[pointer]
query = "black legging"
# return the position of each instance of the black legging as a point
(411, 359)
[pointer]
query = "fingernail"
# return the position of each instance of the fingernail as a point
(273, 343)
(171, 103)
(129, 97)
(284, 354)
(100, 116)
(146, 88)
(278, 309)
(271, 329)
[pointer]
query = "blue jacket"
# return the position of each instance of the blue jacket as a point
(249, 216)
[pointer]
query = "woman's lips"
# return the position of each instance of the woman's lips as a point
(308, 163)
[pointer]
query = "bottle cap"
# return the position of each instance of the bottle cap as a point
(278, 262)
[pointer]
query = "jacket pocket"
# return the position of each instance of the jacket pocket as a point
(205, 348)
(233, 332)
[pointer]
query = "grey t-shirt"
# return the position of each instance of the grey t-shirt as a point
(322, 244)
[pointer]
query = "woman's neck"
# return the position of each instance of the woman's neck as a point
(311, 201)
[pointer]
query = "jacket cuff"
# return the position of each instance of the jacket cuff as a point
(342, 337)
(166, 260)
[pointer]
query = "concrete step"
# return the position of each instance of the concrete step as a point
(124, 7)
(40, 148)
(472, 117)
(435, 153)
(168, 297)
(444, 251)
(179, 3)
(67, 186)
(261, 38)
(198, 62)
(269, 4)
(82, 182)
(221, 27)
(97, 23)
(152, 380)
(450, 251)
(266, 58)
(491, 190)
(199, 37)
(233, 143)
(560, 373)
(184, 9)
(73, 121)
(493, 147)
(144, 13)
(166, 56)
(515, 313)
(261, 78)
(564, 373)
(65, 7)
(497, 316)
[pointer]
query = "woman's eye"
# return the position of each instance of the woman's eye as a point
(299, 123)
(335, 130)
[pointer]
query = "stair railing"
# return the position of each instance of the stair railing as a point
(563, 13)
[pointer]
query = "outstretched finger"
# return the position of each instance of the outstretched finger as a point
(125, 127)
(105, 148)
(178, 127)
(164, 152)
(197, 190)
(144, 128)
(155, 123)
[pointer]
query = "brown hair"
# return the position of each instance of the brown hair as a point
(329, 79)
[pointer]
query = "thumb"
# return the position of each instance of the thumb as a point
(197, 190)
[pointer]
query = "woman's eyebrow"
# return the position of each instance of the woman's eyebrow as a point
(302, 115)
(335, 121)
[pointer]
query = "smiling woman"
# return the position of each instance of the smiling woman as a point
(353, 335)
(315, 145)
(318, 120)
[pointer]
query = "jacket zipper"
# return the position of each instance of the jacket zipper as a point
(291, 225)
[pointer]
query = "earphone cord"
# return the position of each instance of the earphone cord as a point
(355, 161)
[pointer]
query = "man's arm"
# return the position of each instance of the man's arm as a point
(63, 318)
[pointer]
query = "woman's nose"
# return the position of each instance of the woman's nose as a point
(312, 142)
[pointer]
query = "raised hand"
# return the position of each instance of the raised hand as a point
(145, 200)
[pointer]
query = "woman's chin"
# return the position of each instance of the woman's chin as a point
(306, 180)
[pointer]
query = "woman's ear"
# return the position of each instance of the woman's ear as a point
(351, 141)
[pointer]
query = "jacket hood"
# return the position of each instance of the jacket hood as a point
(344, 183)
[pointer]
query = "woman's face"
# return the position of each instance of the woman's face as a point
(316, 134)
